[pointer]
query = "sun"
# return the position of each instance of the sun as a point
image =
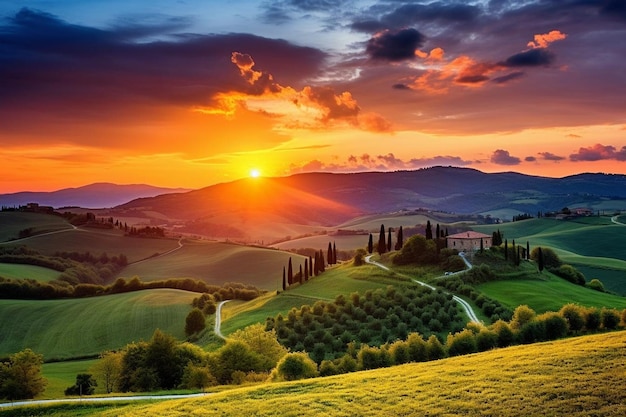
(255, 173)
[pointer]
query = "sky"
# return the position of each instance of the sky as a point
(191, 93)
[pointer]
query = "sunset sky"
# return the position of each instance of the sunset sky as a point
(191, 93)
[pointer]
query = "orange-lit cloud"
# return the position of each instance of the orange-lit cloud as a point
(545, 39)
(310, 108)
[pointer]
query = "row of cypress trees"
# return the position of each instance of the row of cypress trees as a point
(313, 266)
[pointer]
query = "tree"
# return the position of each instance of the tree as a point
(284, 279)
(322, 266)
(262, 342)
(195, 322)
(21, 377)
(235, 355)
(196, 376)
(506, 249)
(329, 254)
(527, 250)
(389, 240)
(289, 273)
(399, 239)
(437, 232)
(108, 370)
(382, 245)
(429, 230)
(334, 253)
(295, 366)
(161, 357)
(301, 274)
(85, 385)
(522, 315)
(370, 244)
(482, 246)
(539, 259)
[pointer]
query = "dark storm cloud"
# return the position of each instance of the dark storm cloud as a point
(49, 65)
(502, 157)
(531, 58)
(549, 156)
(599, 152)
(410, 14)
(395, 45)
(508, 77)
(472, 79)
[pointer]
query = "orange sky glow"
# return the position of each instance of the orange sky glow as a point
(183, 102)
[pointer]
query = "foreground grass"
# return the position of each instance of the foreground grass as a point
(76, 328)
(580, 376)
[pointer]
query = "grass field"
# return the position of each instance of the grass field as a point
(342, 242)
(61, 375)
(12, 222)
(98, 241)
(217, 263)
(579, 377)
(65, 329)
(18, 271)
(594, 244)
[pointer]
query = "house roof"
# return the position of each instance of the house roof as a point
(469, 235)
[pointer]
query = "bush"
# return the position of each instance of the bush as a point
(294, 366)
(610, 319)
(555, 325)
(506, 337)
(596, 284)
(532, 331)
(522, 315)
(593, 319)
(486, 340)
(574, 316)
(569, 273)
(461, 343)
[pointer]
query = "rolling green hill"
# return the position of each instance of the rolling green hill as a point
(11, 223)
(18, 271)
(217, 263)
(593, 244)
(64, 329)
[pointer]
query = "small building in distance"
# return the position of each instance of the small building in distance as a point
(468, 241)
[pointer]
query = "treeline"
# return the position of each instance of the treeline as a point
(314, 265)
(37, 290)
(376, 317)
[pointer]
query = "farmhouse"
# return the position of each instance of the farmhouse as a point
(468, 241)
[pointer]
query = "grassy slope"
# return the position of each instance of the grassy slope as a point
(65, 329)
(18, 271)
(573, 377)
(217, 263)
(593, 244)
(12, 222)
(61, 375)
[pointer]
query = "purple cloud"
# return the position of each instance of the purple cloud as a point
(502, 157)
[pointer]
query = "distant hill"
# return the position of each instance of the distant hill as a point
(326, 199)
(98, 195)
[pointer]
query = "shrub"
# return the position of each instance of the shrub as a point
(610, 318)
(434, 348)
(596, 284)
(461, 343)
(574, 316)
(593, 319)
(522, 315)
(555, 325)
(399, 351)
(417, 348)
(195, 322)
(506, 337)
(569, 273)
(486, 340)
(295, 366)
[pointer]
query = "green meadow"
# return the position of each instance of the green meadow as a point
(217, 263)
(11, 223)
(77, 328)
(595, 245)
(19, 271)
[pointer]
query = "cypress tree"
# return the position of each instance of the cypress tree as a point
(370, 245)
(527, 250)
(382, 245)
(306, 269)
(334, 254)
(330, 254)
(400, 239)
(322, 267)
(482, 247)
(429, 230)
(284, 280)
(438, 230)
(301, 274)
(289, 273)
(506, 249)
(389, 240)
(316, 267)
(540, 259)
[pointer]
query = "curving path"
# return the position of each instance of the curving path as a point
(614, 220)
(464, 304)
(218, 319)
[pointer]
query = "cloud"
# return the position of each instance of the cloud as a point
(386, 162)
(311, 107)
(530, 159)
(531, 58)
(505, 79)
(543, 40)
(599, 152)
(549, 156)
(395, 45)
(502, 157)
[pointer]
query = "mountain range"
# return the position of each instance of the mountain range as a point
(97, 195)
